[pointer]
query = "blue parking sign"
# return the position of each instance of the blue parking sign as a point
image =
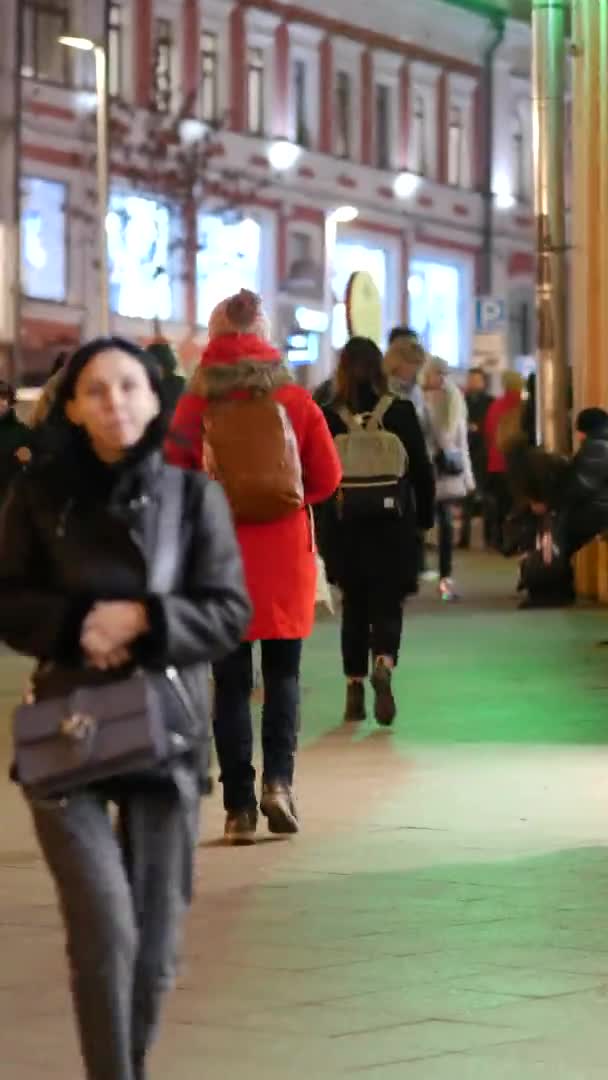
(490, 314)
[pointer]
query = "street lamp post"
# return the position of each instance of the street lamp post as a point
(103, 166)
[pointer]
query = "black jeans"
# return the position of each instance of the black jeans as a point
(123, 895)
(500, 504)
(445, 526)
(372, 622)
(232, 718)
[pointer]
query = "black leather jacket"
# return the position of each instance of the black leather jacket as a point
(76, 532)
(587, 480)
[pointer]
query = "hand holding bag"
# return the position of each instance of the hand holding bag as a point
(96, 733)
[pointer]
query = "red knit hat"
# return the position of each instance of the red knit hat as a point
(239, 330)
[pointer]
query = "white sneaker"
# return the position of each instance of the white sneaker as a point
(429, 575)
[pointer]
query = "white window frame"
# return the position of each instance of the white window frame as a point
(347, 58)
(173, 12)
(261, 27)
(424, 81)
(215, 19)
(461, 96)
(387, 69)
(304, 45)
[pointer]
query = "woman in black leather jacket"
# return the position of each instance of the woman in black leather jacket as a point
(76, 544)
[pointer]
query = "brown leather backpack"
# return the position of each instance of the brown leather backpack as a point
(250, 447)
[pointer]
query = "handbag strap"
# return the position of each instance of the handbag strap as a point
(165, 559)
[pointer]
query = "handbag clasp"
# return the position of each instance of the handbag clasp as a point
(78, 726)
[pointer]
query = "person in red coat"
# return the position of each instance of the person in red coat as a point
(280, 567)
(503, 422)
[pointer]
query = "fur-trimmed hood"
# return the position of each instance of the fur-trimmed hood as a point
(220, 380)
(239, 362)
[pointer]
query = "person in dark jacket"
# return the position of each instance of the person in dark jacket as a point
(584, 495)
(15, 439)
(76, 544)
(478, 402)
(374, 560)
(174, 384)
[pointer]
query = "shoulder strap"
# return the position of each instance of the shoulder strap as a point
(347, 417)
(165, 559)
(375, 421)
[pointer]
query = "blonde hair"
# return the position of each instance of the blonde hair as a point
(447, 407)
(512, 382)
(404, 351)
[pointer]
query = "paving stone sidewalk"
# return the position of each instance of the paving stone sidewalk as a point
(444, 914)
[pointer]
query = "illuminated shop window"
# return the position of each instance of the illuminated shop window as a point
(228, 259)
(349, 258)
(43, 239)
(139, 231)
(434, 307)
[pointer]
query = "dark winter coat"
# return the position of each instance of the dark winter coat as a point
(585, 491)
(75, 532)
(478, 405)
(382, 550)
(13, 436)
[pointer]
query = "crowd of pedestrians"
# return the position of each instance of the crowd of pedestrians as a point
(153, 532)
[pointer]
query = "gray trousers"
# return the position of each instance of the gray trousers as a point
(123, 894)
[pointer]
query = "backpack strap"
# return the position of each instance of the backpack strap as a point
(375, 421)
(348, 418)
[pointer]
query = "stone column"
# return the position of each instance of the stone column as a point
(589, 237)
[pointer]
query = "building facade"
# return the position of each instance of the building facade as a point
(237, 129)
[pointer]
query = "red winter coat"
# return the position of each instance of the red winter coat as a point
(279, 557)
(497, 463)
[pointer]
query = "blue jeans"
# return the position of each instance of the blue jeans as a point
(232, 723)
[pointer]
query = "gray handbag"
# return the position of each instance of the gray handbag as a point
(100, 732)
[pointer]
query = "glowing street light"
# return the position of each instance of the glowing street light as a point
(405, 185)
(343, 215)
(283, 155)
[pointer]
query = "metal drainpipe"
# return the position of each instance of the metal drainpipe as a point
(549, 65)
(498, 25)
(15, 366)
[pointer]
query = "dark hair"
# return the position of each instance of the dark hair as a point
(83, 356)
(360, 365)
(7, 393)
(60, 434)
(401, 332)
(479, 371)
(59, 362)
(591, 420)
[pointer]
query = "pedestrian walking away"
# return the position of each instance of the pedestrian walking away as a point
(478, 402)
(268, 443)
(455, 480)
(368, 532)
(82, 537)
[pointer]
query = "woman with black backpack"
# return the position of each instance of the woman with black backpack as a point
(368, 531)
